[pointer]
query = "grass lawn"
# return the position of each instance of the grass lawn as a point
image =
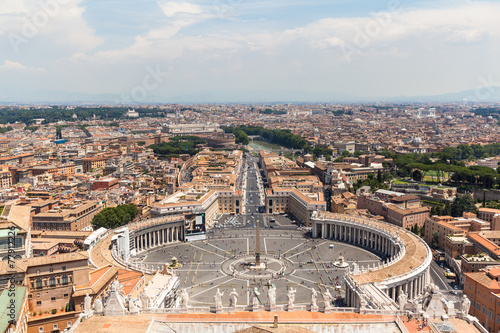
(432, 176)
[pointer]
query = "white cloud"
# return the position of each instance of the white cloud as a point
(16, 66)
(59, 24)
(394, 51)
(171, 8)
(12, 7)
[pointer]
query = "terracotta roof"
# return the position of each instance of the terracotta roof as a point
(485, 280)
(484, 242)
(98, 279)
(56, 258)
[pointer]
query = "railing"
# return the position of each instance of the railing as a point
(77, 322)
(433, 326)
(401, 325)
(279, 308)
(132, 265)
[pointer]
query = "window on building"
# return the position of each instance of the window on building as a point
(54, 326)
(66, 295)
(38, 283)
(53, 299)
(40, 329)
(484, 310)
(38, 302)
(52, 281)
(490, 313)
(69, 324)
(478, 306)
(37, 272)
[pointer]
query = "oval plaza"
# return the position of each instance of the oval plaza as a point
(405, 270)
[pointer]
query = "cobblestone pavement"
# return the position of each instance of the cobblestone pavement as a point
(313, 265)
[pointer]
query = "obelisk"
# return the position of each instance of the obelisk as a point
(257, 244)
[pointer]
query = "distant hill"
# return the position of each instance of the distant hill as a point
(483, 95)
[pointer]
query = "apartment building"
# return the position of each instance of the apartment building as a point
(198, 199)
(489, 162)
(5, 176)
(448, 225)
(92, 163)
(491, 215)
(15, 237)
(18, 159)
(397, 208)
(51, 279)
(191, 129)
(75, 217)
(211, 191)
(50, 282)
(292, 189)
(483, 290)
(56, 170)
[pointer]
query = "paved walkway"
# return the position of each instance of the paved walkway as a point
(101, 254)
(139, 324)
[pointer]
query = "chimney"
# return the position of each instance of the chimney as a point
(275, 321)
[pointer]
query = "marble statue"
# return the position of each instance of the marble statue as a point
(402, 299)
(184, 298)
(465, 305)
(218, 300)
(254, 297)
(355, 268)
(144, 299)
(271, 294)
(233, 298)
(362, 301)
(117, 286)
(291, 296)
(87, 305)
(314, 298)
(98, 306)
(115, 302)
(132, 306)
(327, 299)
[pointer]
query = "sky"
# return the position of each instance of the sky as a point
(140, 51)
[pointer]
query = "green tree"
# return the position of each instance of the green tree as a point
(114, 217)
(461, 204)
(241, 137)
(434, 242)
(416, 175)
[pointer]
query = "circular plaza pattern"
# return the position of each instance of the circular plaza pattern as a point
(225, 259)
(243, 267)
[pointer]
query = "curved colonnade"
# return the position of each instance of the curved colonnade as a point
(378, 287)
(151, 233)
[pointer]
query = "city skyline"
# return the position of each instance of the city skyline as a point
(234, 51)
